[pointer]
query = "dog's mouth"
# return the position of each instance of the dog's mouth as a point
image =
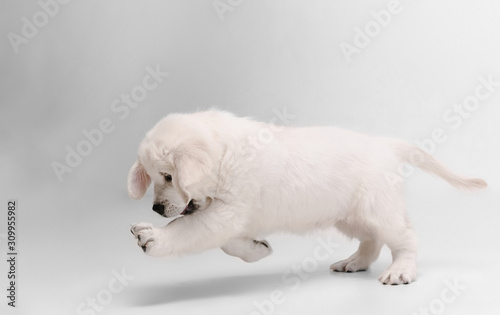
(190, 208)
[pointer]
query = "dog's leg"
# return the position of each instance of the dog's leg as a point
(247, 249)
(181, 236)
(188, 234)
(403, 245)
(367, 253)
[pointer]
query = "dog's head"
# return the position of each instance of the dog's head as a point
(179, 159)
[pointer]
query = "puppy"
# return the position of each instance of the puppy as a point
(231, 180)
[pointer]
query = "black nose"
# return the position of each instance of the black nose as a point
(158, 208)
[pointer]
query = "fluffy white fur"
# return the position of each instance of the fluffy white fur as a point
(249, 179)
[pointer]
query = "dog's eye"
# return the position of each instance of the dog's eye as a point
(168, 178)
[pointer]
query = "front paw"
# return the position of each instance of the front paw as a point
(260, 249)
(149, 239)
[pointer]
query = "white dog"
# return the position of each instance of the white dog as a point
(234, 180)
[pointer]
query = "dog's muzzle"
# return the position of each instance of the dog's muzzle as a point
(190, 208)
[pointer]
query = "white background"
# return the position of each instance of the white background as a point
(259, 57)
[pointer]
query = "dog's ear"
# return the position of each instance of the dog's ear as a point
(192, 164)
(138, 181)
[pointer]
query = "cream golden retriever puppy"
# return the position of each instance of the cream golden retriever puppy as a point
(231, 181)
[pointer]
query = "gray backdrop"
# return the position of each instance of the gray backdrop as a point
(408, 69)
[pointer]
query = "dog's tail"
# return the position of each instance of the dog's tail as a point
(417, 157)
